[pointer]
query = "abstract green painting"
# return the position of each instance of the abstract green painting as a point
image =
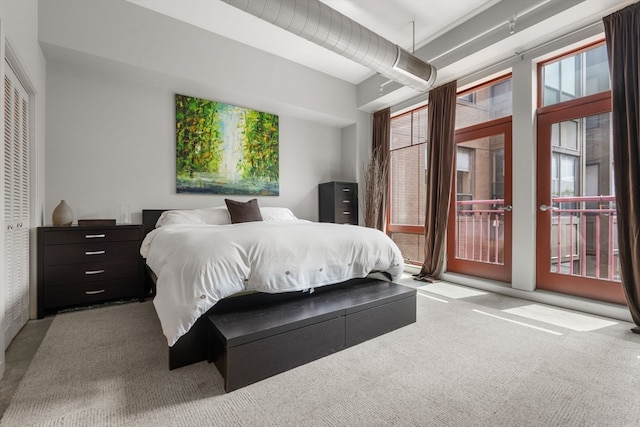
(224, 149)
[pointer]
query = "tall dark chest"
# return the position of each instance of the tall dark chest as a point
(338, 202)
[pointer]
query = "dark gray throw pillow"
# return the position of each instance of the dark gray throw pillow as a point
(243, 211)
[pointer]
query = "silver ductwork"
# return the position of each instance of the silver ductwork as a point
(326, 27)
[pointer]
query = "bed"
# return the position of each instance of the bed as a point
(203, 262)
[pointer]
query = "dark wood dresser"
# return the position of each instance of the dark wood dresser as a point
(338, 202)
(80, 265)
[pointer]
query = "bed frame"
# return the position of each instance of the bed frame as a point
(358, 309)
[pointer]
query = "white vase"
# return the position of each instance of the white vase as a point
(62, 214)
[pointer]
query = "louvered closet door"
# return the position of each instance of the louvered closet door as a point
(16, 205)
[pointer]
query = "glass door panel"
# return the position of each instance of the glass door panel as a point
(479, 231)
(576, 219)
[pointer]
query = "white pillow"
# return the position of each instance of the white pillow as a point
(277, 214)
(215, 216)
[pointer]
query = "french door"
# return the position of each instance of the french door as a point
(576, 223)
(479, 228)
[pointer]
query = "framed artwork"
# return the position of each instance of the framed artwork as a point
(225, 149)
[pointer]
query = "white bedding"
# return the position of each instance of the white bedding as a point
(199, 264)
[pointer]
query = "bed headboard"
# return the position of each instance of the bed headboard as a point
(150, 217)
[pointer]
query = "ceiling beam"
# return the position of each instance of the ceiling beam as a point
(477, 33)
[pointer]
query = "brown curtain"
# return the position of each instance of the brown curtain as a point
(622, 32)
(377, 176)
(440, 156)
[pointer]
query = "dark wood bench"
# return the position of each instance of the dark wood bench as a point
(250, 345)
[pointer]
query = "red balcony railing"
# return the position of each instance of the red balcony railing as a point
(479, 230)
(584, 237)
(583, 234)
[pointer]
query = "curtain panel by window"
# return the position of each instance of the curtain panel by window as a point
(441, 149)
(622, 33)
(377, 173)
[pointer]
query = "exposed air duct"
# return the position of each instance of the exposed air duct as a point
(326, 27)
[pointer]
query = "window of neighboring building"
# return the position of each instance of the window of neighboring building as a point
(464, 173)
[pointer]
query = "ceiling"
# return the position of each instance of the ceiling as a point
(394, 20)
(440, 27)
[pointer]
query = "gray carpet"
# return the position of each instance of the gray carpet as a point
(454, 367)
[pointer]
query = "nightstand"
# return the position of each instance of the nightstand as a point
(79, 265)
(338, 202)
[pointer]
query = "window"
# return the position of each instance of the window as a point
(408, 154)
(578, 74)
(576, 225)
(484, 103)
(497, 178)
(565, 180)
(408, 174)
(407, 180)
(565, 135)
(464, 173)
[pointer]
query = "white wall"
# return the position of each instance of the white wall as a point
(113, 71)
(118, 35)
(111, 141)
(356, 152)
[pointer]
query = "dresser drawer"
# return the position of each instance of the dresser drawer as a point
(91, 252)
(94, 292)
(55, 275)
(344, 209)
(344, 203)
(344, 217)
(345, 194)
(344, 187)
(90, 235)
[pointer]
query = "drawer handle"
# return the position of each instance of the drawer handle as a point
(95, 236)
(94, 272)
(99, 291)
(346, 201)
(346, 190)
(95, 252)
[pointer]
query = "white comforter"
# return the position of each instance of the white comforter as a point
(198, 265)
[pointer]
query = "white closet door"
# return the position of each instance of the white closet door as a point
(16, 206)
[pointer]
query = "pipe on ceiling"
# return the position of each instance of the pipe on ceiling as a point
(326, 27)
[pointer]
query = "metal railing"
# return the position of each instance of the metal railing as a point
(583, 235)
(479, 229)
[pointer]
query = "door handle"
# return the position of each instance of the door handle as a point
(507, 208)
(544, 208)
